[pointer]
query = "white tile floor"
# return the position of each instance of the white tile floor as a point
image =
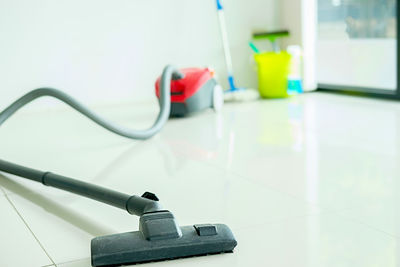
(307, 181)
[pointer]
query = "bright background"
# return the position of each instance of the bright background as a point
(356, 44)
(104, 51)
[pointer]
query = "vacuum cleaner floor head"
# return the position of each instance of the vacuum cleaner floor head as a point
(159, 236)
(133, 247)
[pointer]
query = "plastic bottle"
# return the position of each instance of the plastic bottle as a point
(295, 79)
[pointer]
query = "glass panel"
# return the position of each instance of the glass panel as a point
(342, 19)
(357, 44)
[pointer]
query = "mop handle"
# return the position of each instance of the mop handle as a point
(225, 42)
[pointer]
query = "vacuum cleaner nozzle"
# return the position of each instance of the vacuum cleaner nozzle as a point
(158, 239)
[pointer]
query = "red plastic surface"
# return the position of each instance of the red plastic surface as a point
(184, 88)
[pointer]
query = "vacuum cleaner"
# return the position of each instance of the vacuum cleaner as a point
(159, 236)
(197, 90)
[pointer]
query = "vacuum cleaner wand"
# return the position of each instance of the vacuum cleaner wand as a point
(159, 236)
(132, 204)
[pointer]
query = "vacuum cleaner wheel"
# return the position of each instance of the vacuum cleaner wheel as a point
(218, 98)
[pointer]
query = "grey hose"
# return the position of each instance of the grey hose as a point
(169, 73)
(133, 204)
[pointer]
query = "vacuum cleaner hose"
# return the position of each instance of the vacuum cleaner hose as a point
(169, 73)
(133, 204)
(159, 236)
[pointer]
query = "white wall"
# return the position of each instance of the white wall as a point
(104, 51)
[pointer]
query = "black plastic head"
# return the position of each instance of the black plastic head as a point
(135, 247)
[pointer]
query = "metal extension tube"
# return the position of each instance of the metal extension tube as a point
(159, 236)
(133, 204)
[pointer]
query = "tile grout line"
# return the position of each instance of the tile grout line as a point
(269, 187)
(358, 221)
(319, 211)
(323, 210)
(71, 261)
(26, 224)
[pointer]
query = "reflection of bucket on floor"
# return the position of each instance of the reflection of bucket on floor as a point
(273, 71)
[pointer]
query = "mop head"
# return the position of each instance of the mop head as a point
(241, 95)
(271, 35)
(133, 247)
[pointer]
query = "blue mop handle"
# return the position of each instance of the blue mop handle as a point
(225, 41)
(231, 81)
(219, 5)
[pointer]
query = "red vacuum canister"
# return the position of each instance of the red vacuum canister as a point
(196, 91)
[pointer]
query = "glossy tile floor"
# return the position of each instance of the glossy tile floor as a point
(308, 181)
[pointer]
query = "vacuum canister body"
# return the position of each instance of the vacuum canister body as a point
(196, 91)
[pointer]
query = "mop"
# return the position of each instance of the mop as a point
(233, 94)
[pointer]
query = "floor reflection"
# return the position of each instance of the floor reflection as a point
(80, 221)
